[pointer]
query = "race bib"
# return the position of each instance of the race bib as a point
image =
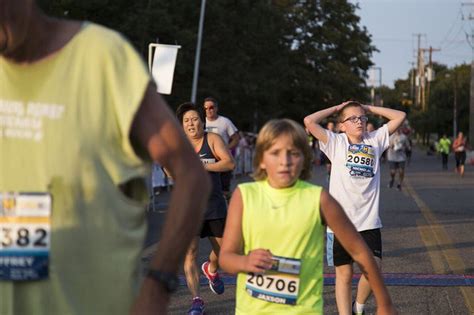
(24, 236)
(360, 160)
(279, 285)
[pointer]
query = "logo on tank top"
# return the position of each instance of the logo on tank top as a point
(208, 161)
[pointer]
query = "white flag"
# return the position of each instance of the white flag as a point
(162, 70)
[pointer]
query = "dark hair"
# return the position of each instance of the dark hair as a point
(186, 107)
(211, 99)
(348, 105)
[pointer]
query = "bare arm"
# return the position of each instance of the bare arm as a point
(225, 162)
(231, 257)
(233, 141)
(395, 117)
(354, 244)
(156, 130)
(312, 122)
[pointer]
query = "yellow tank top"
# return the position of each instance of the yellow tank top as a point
(288, 223)
(64, 130)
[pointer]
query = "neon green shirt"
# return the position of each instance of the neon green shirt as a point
(64, 129)
(288, 222)
(444, 145)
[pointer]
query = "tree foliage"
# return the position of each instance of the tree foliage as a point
(261, 59)
(438, 117)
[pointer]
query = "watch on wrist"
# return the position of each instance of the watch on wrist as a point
(168, 280)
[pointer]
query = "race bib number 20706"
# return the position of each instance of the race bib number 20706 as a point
(278, 285)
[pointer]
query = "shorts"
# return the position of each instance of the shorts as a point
(226, 177)
(460, 158)
(396, 165)
(372, 238)
(212, 228)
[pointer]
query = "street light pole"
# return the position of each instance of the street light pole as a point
(455, 103)
(373, 86)
(455, 107)
(198, 52)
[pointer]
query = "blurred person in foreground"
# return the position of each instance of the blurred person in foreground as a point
(78, 115)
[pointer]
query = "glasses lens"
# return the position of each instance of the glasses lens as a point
(364, 118)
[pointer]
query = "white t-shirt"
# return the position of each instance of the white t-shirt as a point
(222, 126)
(355, 175)
(396, 151)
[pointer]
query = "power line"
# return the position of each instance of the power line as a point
(451, 28)
(460, 30)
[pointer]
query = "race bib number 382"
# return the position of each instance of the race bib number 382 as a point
(24, 236)
(279, 285)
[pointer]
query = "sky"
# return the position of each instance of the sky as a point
(393, 24)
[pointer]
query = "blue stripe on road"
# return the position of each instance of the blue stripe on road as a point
(391, 279)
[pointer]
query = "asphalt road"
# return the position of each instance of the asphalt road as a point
(428, 243)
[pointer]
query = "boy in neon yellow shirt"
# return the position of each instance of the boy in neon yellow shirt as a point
(275, 226)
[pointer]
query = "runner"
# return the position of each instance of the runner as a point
(226, 129)
(216, 159)
(275, 228)
(396, 156)
(459, 148)
(331, 127)
(443, 147)
(355, 184)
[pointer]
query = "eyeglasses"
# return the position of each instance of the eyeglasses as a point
(209, 108)
(355, 119)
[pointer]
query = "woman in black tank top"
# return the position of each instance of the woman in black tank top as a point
(216, 159)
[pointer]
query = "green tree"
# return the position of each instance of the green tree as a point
(260, 58)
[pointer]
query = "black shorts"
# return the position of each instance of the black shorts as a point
(226, 177)
(396, 165)
(372, 238)
(212, 228)
(460, 158)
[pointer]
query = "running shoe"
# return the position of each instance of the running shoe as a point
(356, 313)
(215, 282)
(197, 308)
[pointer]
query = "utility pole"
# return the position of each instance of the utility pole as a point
(412, 82)
(420, 73)
(430, 72)
(471, 96)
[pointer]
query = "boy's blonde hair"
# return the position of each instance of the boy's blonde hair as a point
(340, 116)
(266, 137)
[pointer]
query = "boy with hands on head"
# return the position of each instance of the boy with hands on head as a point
(355, 184)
